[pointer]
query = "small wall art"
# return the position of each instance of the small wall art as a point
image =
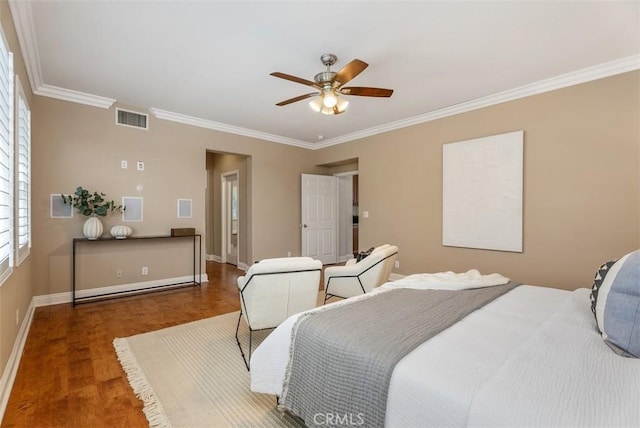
(184, 208)
(133, 208)
(58, 209)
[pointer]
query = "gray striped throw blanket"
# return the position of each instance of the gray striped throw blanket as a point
(342, 358)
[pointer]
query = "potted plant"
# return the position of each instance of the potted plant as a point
(92, 205)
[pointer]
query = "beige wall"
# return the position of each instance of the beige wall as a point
(76, 145)
(581, 184)
(17, 291)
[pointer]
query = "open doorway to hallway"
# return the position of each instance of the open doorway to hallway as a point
(347, 172)
(227, 215)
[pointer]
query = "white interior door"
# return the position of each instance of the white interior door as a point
(319, 226)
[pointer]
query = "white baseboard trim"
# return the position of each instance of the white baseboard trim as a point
(11, 369)
(218, 259)
(67, 297)
(214, 258)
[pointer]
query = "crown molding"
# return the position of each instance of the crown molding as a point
(74, 96)
(584, 75)
(223, 127)
(23, 21)
(25, 30)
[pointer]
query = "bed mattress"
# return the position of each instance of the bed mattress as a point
(532, 357)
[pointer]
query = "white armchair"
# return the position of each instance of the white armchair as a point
(274, 289)
(356, 278)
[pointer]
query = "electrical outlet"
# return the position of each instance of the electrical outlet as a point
(397, 264)
(123, 164)
(365, 214)
(118, 273)
(288, 253)
(145, 270)
(140, 166)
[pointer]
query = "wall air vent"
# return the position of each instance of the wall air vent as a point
(132, 119)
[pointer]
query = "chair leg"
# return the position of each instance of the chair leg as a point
(246, 363)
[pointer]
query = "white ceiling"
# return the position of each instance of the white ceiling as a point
(209, 61)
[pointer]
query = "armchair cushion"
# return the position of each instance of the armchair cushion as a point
(360, 277)
(274, 289)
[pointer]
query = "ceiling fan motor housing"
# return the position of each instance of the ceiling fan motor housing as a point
(324, 77)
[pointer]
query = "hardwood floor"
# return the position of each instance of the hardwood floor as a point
(69, 375)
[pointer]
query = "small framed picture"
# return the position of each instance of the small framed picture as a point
(58, 208)
(184, 208)
(133, 208)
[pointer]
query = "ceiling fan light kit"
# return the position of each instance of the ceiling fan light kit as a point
(330, 84)
(318, 104)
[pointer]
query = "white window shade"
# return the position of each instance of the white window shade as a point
(23, 176)
(6, 160)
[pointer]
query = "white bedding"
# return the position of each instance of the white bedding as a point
(532, 357)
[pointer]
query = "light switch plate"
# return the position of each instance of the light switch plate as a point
(140, 166)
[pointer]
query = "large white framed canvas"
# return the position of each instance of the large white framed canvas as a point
(482, 187)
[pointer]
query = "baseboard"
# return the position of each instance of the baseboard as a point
(11, 368)
(242, 266)
(213, 258)
(67, 297)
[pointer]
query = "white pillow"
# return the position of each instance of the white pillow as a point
(618, 306)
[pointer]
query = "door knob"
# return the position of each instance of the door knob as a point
(304, 225)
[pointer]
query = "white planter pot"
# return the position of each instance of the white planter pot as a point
(120, 232)
(92, 228)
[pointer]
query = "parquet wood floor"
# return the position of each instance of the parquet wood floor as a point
(69, 375)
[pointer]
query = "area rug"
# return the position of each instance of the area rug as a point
(192, 375)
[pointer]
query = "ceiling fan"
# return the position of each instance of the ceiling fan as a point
(330, 86)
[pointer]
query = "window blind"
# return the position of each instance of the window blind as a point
(6, 160)
(23, 175)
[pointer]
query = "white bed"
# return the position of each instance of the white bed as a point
(532, 357)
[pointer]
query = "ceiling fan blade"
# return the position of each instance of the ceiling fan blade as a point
(294, 79)
(350, 71)
(366, 92)
(296, 99)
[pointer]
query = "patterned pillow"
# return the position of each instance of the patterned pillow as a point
(618, 306)
(364, 254)
(601, 273)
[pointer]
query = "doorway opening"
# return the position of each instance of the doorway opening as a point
(348, 218)
(228, 208)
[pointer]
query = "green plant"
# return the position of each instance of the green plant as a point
(88, 203)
